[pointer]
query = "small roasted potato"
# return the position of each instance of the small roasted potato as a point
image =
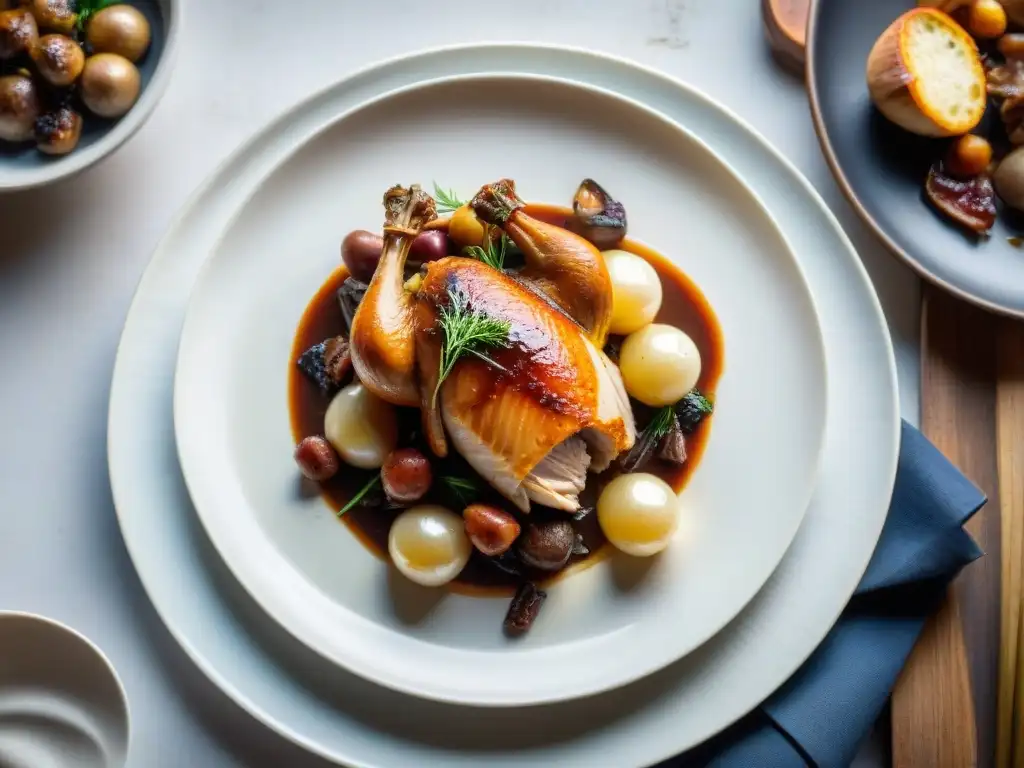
(18, 32)
(406, 475)
(55, 15)
(57, 132)
(110, 84)
(968, 156)
(465, 228)
(19, 108)
(120, 29)
(986, 18)
(58, 59)
(1012, 45)
(491, 530)
(317, 459)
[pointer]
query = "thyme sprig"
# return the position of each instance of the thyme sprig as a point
(462, 488)
(467, 332)
(360, 494)
(493, 254)
(446, 200)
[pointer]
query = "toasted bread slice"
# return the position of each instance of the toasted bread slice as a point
(925, 75)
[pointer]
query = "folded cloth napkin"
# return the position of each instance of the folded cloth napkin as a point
(821, 715)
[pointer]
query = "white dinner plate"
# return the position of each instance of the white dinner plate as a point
(598, 630)
(348, 720)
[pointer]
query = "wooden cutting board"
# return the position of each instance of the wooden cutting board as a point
(949, 685)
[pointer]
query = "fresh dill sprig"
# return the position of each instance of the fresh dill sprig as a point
(360, 494)
(660, 425)
(494, 254)
(467, 332)
(462, 488)
(445, 200)
(86, 9)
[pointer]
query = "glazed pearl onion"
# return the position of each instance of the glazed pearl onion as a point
(428, 544)
(638, 513)
(636, 291)
(362, 428)
(659, 364)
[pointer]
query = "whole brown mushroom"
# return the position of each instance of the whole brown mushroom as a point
(120, 29)
(1009, 179)
(18, 32)
(110, 84)
(19, 107)
(55, 15)
(547, 545)
(59, 59)
(57, 132)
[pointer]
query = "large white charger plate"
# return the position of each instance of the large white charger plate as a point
(600, 629)
(348, 720)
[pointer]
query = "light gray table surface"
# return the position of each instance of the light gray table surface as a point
(71, 255)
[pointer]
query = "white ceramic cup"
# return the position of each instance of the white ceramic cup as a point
(61, 702)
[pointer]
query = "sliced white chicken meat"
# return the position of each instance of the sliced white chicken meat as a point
(560, 477)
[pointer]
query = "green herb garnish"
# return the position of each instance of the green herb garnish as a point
(692, 409)
(462, 488)
(360, 494)
(86, 9)
(689, 411)
(445, 200)
(494, 254)
(467, 332)
(660, 425)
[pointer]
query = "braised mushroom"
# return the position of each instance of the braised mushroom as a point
(110, 84)
(59, 59)
(120, 29)
(57, 132)
(547, 546)
(19, 107)
(597, 216)
(18, 32)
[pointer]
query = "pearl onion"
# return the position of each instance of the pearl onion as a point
(636, 291)
(362, 428)
(659, 364)
(428, 544)
(638, 513)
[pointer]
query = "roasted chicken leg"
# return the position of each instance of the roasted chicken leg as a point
(559, 263)
(383, 329)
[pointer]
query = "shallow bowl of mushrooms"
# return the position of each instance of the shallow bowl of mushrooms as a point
(77, 79)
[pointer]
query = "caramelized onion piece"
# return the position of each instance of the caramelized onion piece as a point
(523, 610)
(1004, 81)
(970, 203)
(597, 216)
